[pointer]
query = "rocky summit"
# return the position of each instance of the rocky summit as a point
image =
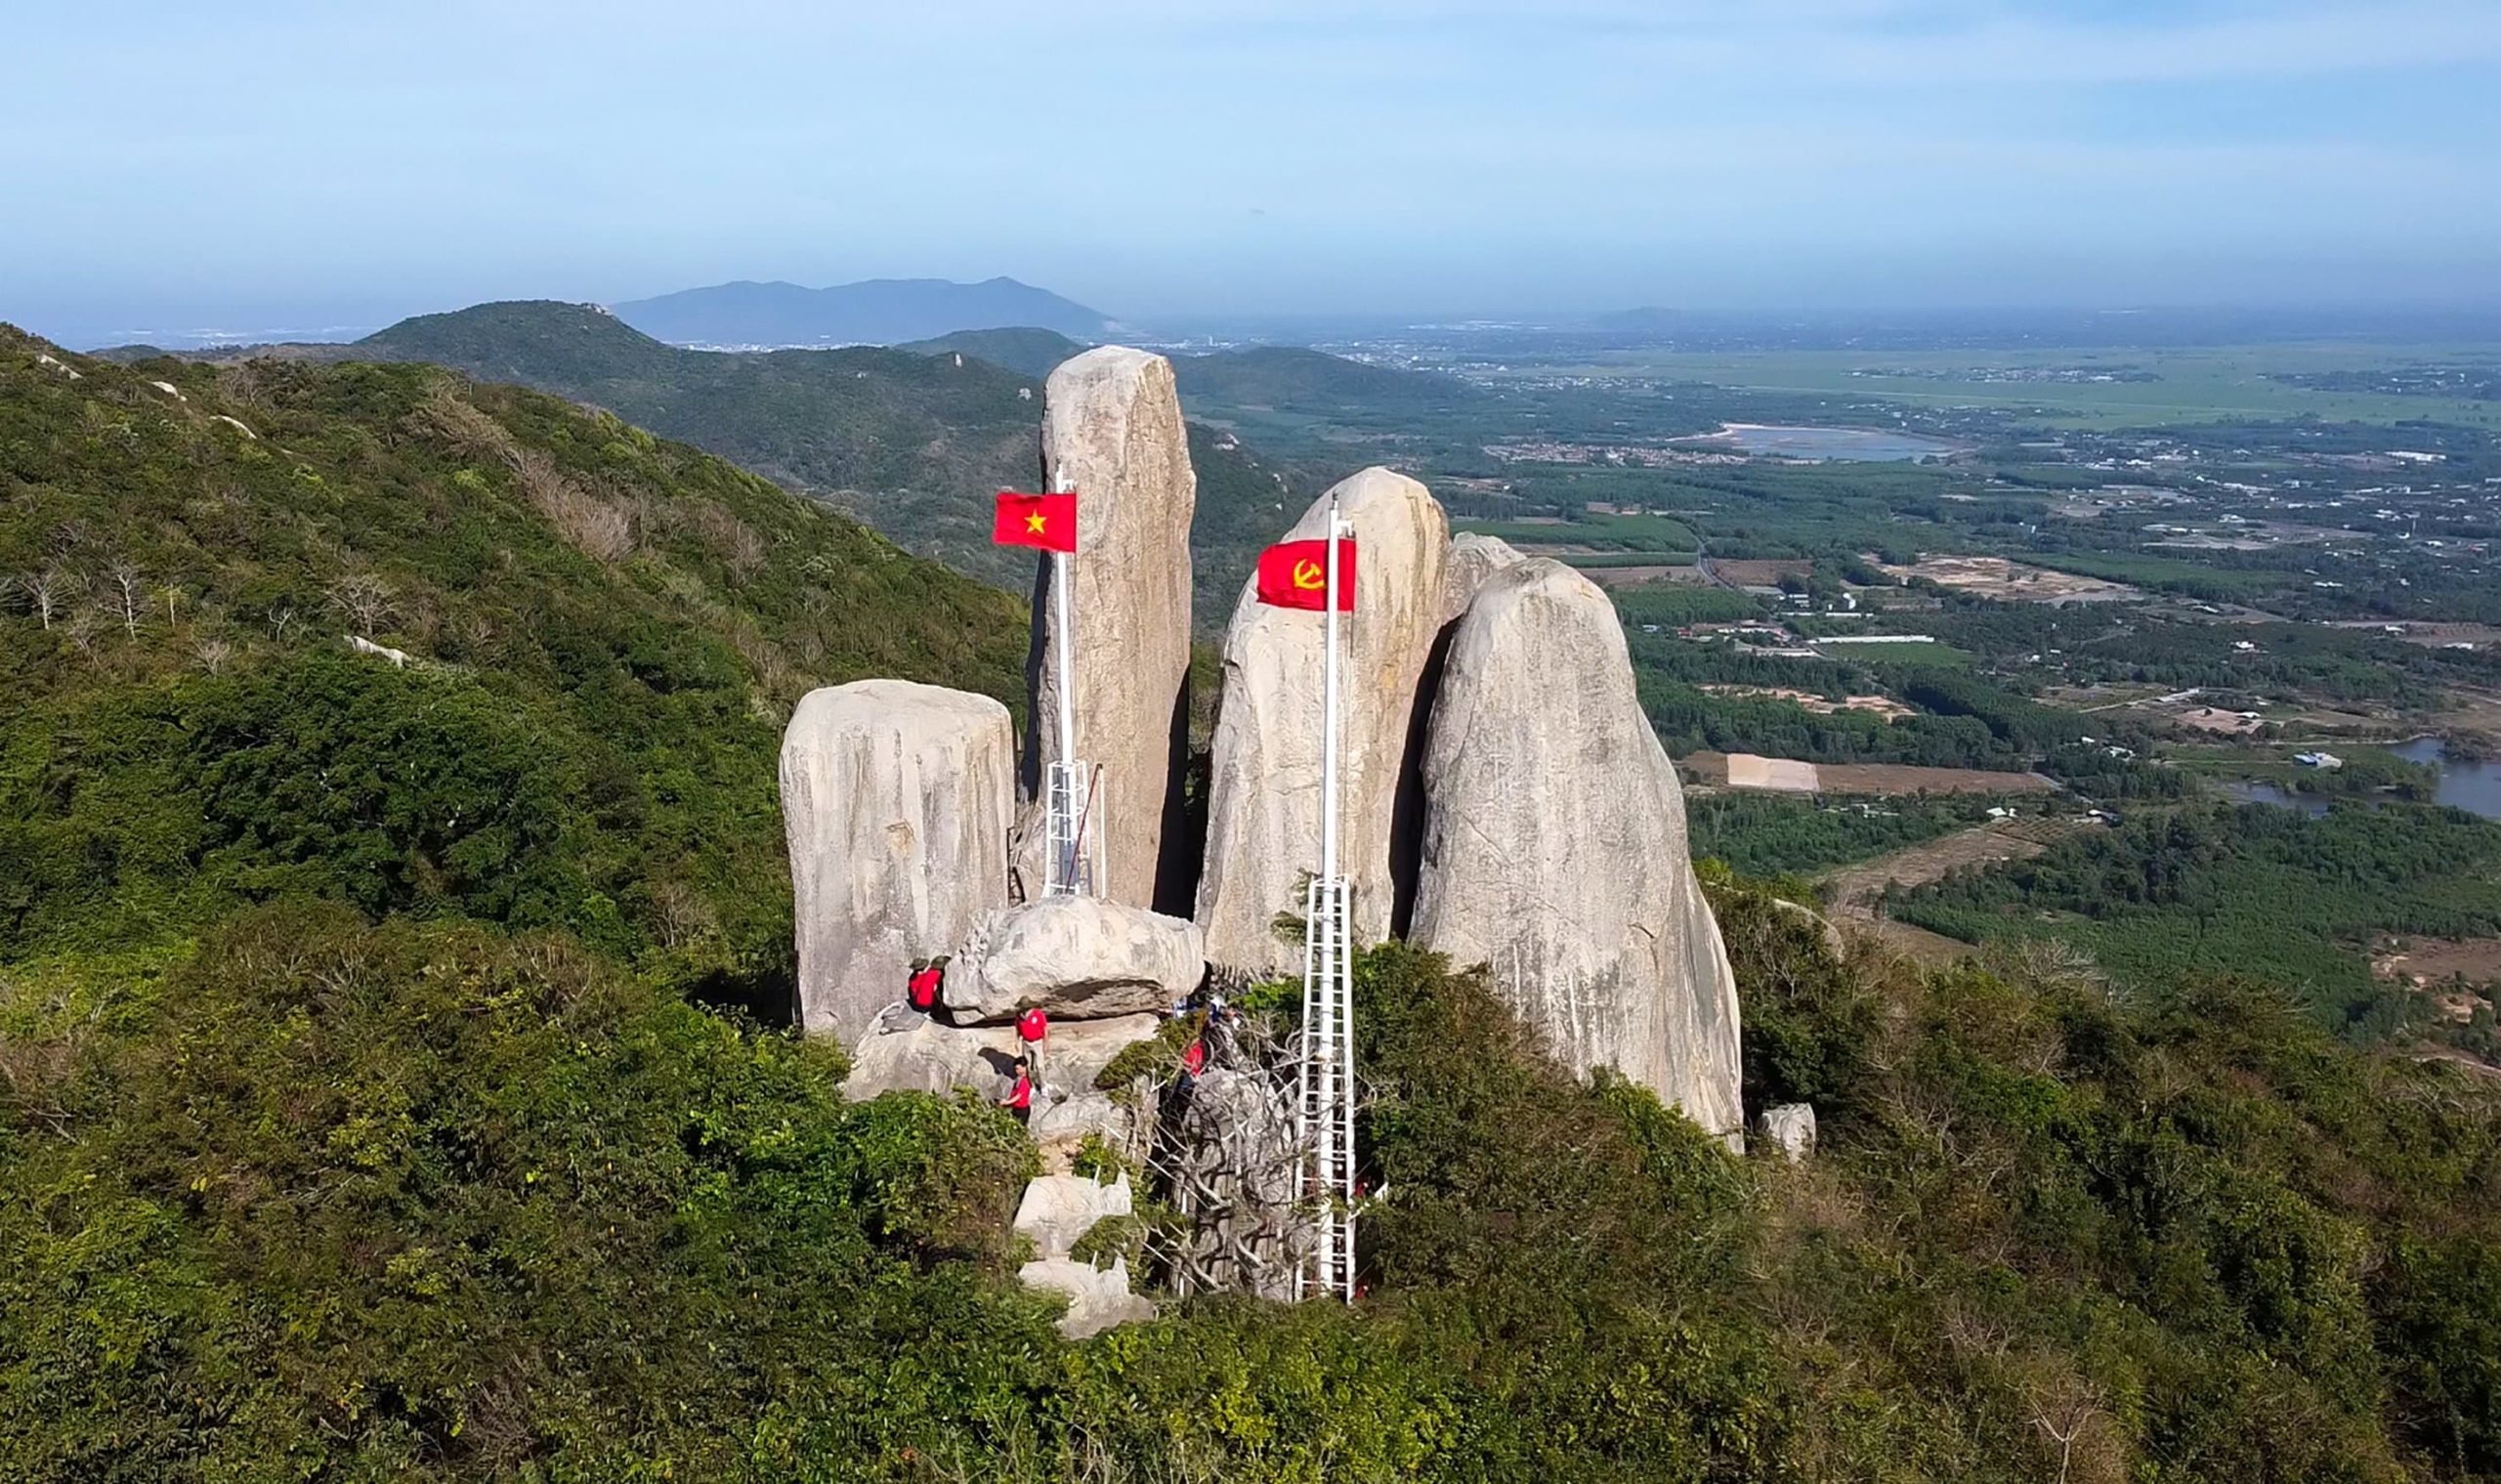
(1499, 785)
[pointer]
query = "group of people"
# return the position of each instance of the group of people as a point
(920, 997)
(928, 985)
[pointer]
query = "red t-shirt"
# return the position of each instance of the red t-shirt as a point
(924, 988)
(1022, 1094)
(1033, 1025)
(1195, 1059)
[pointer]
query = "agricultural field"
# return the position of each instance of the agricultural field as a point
(1746, 770)
(2099, 389)
(2011, 581)
(1639, 546)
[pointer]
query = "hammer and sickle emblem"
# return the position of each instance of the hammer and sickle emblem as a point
(1307, 577)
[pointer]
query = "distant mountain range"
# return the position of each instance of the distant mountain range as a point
(876, 311)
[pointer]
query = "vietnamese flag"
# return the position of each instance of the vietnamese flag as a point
(1295, 575)
(1045, 521)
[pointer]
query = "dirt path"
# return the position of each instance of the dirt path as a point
(1859, 886)
(1855, 889)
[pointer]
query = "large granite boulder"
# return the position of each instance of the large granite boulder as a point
(914, 1053)
(1554, 846)
(1074, 958)
(1263, 809)
(1112, 431)
(897, 799)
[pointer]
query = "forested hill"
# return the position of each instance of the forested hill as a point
(914, 444)
(863, 420)
(362, 1115)
(1026, 351)
(1289, 379)
(873, 312)
(606, 630)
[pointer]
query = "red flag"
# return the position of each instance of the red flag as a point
(1295, 575)
(1045, 521)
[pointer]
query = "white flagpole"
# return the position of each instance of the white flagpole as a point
(1067, 644)
(1062, 778)
(1338, 1173)
(1329, 709)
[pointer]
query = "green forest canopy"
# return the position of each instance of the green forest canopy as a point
(360, 1115)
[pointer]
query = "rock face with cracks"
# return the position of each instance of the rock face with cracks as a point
(1263, 812)
(1072, 956)
(1554, 846)
(897, 799)
(1112, 432)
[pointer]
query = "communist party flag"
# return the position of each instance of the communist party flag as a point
(1045, 521)
(1295, 575)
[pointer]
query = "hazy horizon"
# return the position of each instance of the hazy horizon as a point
(304, 169)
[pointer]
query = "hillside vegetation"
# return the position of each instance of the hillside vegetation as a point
(427, 1202)
(1026, 351)
(606, 630)
(914, 444)
(369, 1105)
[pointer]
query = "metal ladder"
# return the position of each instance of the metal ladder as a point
(1324, 1115)
(1074, 837)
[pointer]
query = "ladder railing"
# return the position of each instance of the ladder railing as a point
(1325, 1112)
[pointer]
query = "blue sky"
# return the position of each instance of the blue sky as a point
(291, 163)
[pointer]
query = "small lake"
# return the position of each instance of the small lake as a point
(2473, 786)
(1866, 444)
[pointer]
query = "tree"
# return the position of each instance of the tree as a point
(51, 591)
(123, 585)
(365, 599)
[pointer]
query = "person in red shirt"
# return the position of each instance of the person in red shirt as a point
(928, 981)
(1034, 1028)
(1020, 1097)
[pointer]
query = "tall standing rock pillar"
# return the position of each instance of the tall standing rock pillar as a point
(1554, 846)
(1112, 431)
(897, 799)
(1263, 808)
